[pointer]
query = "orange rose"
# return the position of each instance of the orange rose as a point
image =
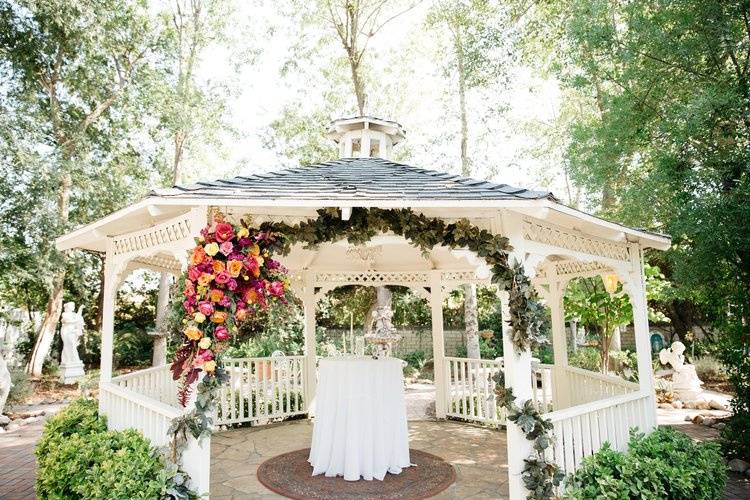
(234, 267)
(215, 295)
(219, 317)
(241, 314)
(255, 249)
(193, 333)
(218, 266)
(198, 255)
(251, 296)
(205, 278)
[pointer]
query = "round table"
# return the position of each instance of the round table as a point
(360, 419)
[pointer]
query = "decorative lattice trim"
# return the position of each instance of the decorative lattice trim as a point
(161, 234)
(159, 262)
(572, 240)
(569, 268)
(372, 277)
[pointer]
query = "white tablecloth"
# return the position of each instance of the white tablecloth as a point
(360, 419)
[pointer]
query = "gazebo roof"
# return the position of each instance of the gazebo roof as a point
(354, 179)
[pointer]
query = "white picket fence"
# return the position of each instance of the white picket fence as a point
(470, 389)
(156, 383)
(262, 389)
(581, 431)
(585, 386)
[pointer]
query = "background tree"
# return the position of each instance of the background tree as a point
(69, 69)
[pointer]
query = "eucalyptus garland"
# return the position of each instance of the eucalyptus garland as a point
(526, 312)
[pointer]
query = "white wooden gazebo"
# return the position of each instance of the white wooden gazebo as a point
(555, 243)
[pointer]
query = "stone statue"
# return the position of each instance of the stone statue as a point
(71, 330)
(685, 381)
(5, 382)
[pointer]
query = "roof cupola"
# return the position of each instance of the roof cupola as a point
(366, 137)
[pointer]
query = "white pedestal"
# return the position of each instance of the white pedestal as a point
(70, 373)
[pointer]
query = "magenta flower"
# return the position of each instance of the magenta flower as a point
(226, 248)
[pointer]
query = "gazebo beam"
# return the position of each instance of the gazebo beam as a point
(560, 389)
(309, 307)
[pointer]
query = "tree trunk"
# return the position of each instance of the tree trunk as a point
(359, 85)
(465, 163)
(55, 300)
(471, 320)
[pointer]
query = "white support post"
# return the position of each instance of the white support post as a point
(438, 343)
(518, 378)
(309, 303)
(111, 282)
(560, 386)
(636, 288)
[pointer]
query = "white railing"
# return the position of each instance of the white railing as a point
(470, 389)
(585, 386)
(262, 389)
(581, 431)
(541, 386)
(126, 407)
(155, 383)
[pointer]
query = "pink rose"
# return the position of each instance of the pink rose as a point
(221, 333)
(193, 273)
(206, 354)
(232, 284)
(276, 288)
(206, 308)
(226, 248)
(225, 301)
(223, 231)
(223, 278)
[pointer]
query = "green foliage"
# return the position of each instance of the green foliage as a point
(587, 358)
(415, 359)
(735, 437)
(664, 464)
(21, 388)
(488, 349)
(79, 417)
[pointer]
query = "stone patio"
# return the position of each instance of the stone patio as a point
(478, 454)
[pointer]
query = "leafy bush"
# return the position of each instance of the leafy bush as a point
(587, 358)
(664, 464)
(708, 368)
(79, 417)
(487, 349)
(624, 364)
(21, 388)
(735, 437)
(78, 458)
(416, 359)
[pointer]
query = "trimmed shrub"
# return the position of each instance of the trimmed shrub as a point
(709, 369)
(78, 458)
(664, 464)
(21, 388)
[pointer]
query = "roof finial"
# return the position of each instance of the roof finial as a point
(366, 136)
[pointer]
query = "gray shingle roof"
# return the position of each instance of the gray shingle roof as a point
(354, 179)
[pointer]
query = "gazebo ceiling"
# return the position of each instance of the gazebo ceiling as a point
(353, 179)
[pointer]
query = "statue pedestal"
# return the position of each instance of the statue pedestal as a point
(70, 373)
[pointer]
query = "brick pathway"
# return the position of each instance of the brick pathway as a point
(17, 462)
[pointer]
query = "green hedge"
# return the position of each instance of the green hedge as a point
(666, 464)
(78, 458)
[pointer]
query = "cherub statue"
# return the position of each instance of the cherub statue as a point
(685, 380)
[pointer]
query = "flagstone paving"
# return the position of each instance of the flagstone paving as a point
(478, 454)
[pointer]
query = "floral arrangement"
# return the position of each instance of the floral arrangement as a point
(230, 277)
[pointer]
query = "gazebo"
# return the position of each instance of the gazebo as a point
(555, 244)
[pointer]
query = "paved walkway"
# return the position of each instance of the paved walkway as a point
(17, 462)
(477, 453)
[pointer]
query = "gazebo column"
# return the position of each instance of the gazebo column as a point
(438, 342)
(636, 289)
(108, 319)
(560, 386)
(517, 368)
(309, 303)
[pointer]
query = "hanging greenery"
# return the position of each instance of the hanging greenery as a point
(425, 233)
